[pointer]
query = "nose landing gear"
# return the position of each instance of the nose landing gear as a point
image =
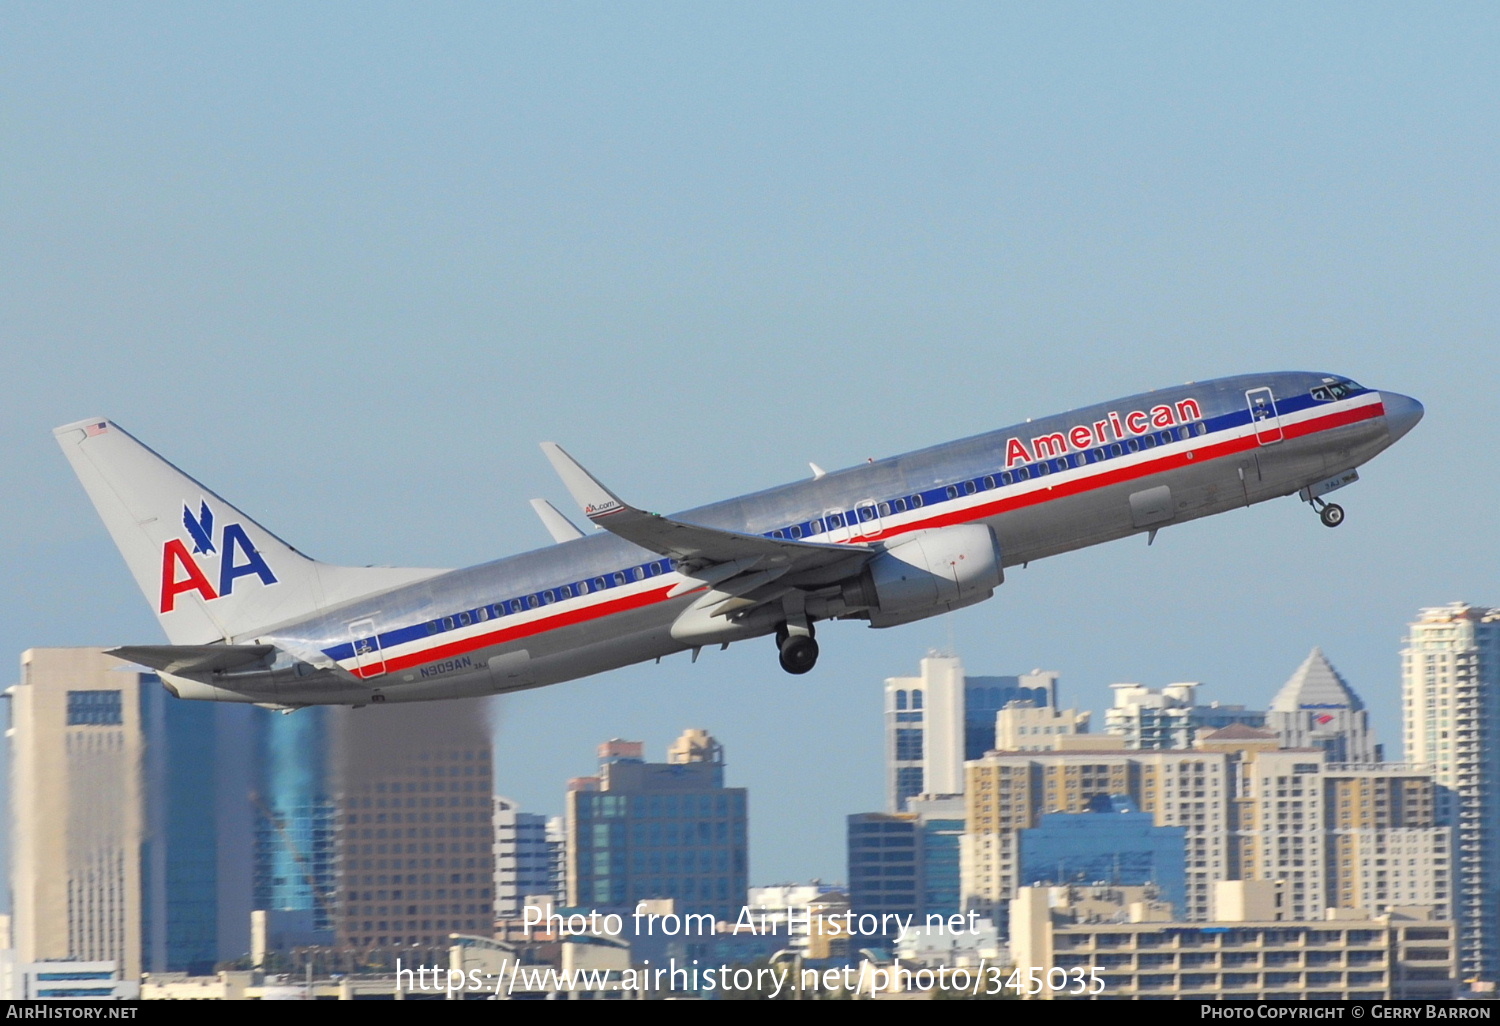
(1330, 513)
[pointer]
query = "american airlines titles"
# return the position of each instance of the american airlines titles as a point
(1113, 428)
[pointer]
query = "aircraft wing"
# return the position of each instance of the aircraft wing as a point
(558, 526)
(697, 547)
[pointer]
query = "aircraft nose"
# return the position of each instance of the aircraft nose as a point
(1401, 413)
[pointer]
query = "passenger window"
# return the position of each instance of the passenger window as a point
(776, 533)
(652, 569)
(636, 574)
(447, 623)
(1201, 428)
(866, 513)
(835, 520)
(1150, 441)
(619, 579)
(1166, 438)
(1060, 464)
(989, 482)
(952, 492)
(1132, 445)
(464, 620)
(433, 627)
(1115, 449)
(916, 501)
(970, 488)
(547, 597)
(815, 527)
(532, 601)
(1043, 469)
(900, 505)
(885, 509)
(1023, 474)
(598, 584)
(796, 531)
(564, 592)
(583, 587)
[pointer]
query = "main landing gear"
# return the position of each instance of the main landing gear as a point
(799, 652)
(1330, 513)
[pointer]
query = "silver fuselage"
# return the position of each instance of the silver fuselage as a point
(542, 617)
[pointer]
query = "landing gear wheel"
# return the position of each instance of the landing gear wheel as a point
(799, 653)
(1332, 515)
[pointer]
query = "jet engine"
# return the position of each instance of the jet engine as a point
(935, 572)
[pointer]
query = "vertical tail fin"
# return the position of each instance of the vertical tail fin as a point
(209, 571)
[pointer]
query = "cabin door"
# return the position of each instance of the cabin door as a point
(369, 661)
(1263, 416)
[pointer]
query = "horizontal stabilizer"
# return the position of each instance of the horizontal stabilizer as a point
(193, 658)
(694, 545)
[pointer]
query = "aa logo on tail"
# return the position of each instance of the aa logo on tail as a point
(237, 557)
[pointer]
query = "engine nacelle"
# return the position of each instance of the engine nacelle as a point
(935, 572)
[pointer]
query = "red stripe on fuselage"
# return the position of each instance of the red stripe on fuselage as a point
(1119, 475)
(524, 630)
(1100, 479)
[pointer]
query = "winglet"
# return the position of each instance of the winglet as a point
(557, 525)
(596, 500)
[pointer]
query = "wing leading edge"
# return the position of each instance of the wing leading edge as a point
(709, 554)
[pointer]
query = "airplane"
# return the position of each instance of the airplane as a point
(890, 542)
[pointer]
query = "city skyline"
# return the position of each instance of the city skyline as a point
(753, 240)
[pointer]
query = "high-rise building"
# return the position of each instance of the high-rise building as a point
(1450, 671)
(523, 860)
(1334, 835)
(885, 863)
(1316, 708)
(415, 841)
(644, 830)
(1010, 791)
(941, 824)
(78, 808)
(937, 721)
(197, 858)
(908, 863)
(1386, 845)
(1171, 717)
(131, 840)
(296, 856)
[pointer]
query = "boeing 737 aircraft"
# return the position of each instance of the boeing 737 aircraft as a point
(250, 619)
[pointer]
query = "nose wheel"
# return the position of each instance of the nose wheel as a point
(1330, 513)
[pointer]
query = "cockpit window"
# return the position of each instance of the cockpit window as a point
(1333, 389)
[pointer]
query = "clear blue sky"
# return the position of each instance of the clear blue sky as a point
(349, 263)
